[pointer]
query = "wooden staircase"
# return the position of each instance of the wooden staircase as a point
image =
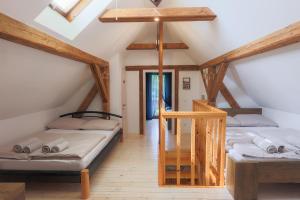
(203, 163)
(185, 168)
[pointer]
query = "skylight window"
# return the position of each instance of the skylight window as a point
(76, 20)
(63, 6)
(69, 8)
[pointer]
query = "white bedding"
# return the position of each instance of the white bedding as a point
(62, 165)
(241, 134)
(237, 134)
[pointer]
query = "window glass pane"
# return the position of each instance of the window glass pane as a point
(64, 5)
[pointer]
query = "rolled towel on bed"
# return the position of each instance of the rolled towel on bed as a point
(60, 147)
(265, 144)
(19, 148)
(34, 145)
(46, 148)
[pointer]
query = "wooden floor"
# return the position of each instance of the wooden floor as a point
(130, 172)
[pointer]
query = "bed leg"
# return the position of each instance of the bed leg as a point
(122, 136)
(241, 180)
(85, 184)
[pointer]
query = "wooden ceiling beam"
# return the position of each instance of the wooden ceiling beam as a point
(100, 82)
(157, 14)
(284, 37)
(218, 82)
(228, 97)
(165, 67)
(20, 33)
(88, 99)
(153, 46)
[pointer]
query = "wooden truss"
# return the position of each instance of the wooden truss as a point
(18, 32)
(213, 81)
(213, 71)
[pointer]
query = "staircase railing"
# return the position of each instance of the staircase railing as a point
(206, 154)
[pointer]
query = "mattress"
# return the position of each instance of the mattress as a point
(239, 158)
(61, 165)
(235, 130)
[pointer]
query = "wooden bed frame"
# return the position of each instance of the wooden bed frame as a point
(238, 111)
(243, 178)
(56, 176)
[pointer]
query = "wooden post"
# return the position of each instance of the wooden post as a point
(160, 61)
(141, 101)
(178, 151)
(88, 99)
(106, 79)
(176, 95)
(218, 81)
(85, 184)
(228, 96)
(161, 163)
(193, 151)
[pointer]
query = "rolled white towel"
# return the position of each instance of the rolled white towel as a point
(60, 147)
(46, 148)
(34, 145)
(281, 148)
(265, 144)
(19, 148)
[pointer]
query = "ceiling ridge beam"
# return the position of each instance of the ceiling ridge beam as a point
(18, 32)
(153, 46)
(284, 37)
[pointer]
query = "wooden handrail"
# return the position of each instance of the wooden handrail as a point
(207, 149)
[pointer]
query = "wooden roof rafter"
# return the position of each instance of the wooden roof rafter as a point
(284, 37)
(18, 32)
(157, 14)
(154, 46)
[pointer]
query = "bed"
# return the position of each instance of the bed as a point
(60, 170)
(244, 174)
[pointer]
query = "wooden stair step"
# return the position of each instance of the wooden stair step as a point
(171, 158)
(183, 175)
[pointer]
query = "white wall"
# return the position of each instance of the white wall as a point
(23, 125)
(284, 119)
(186, 97)
(32, 80)
(132, 99)
(33, 86)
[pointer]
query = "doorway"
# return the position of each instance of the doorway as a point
(152, 95)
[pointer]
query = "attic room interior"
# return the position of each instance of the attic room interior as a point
(149, 99)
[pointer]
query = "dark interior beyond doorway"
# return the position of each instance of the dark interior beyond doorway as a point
(152, 80)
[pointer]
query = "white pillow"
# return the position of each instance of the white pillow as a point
(232, 122)
(255, 121)
(99, 124)
(66, 123)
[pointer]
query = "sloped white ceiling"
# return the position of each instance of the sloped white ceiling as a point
(32, 81)
(269, 79)
(100, 39)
